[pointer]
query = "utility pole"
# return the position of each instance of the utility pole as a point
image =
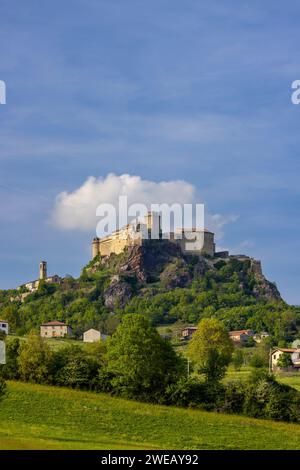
(270, 361)
(188, 367)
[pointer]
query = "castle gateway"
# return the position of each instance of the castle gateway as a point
(192, 241)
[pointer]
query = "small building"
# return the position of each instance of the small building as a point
(259, 337)
(188, 332)
(293, 352)
(55, 329)
(91, 336)
(4, 326)
(241, 336)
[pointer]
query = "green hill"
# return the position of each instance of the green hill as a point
(41, 417)
(160, 282)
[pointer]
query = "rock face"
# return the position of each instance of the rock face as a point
(161, 263)
(267, 290)
(147, 262)
(117, 295)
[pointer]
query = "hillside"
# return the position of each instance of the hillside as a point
(41, 417)
(162, 283)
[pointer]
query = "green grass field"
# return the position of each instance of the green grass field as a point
(292, 379)
(42, 417)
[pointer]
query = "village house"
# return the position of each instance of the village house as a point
(293, 352)
(91, 336)
(188, 332)
(259, 337)
(4, 326)
(241, 336)
(55, 329)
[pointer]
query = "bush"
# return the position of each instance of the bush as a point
(34, 360)
(71, 367)
(191, 392)
(2, 386)
(234, 398)
(257, 361)
(237, 359)
(266, 398)
(11, 368)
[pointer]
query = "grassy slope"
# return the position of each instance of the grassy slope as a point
(41, 417)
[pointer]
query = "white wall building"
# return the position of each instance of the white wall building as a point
(91, 336)
(4, 326)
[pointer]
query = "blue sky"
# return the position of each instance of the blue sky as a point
(167, 90)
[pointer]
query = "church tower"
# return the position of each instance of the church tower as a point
(43, 270)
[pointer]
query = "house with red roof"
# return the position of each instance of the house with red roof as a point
(241, 336)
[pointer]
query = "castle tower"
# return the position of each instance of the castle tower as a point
(43, 270)
(95, 247)
(153, 223)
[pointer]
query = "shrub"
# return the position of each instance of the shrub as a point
(2, 386)
(11, 368)
(72, 367)
(34, 360)
(234, 398)
(192, 392)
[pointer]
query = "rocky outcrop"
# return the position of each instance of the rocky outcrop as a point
(117, 295)
(266, 290)
(161, 263)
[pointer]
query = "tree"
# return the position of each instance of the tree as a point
(284, 361)
(35, 360)
(142, 362)
(211, 349)
(11, 314)
(11, 368)
(238, 359)
(72, 367)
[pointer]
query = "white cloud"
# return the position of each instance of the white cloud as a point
(76, 210)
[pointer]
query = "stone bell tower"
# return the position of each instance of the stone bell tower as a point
(43, 270)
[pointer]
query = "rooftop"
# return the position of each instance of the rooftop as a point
(240, 332)
(54, 323)
(286, 350)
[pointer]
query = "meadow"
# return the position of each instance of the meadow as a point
(288, 378)
(44, 417)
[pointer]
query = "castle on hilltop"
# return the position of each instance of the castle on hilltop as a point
(138, 233)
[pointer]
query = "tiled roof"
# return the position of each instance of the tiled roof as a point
(286, 350)
(239, 332)
(54, 323)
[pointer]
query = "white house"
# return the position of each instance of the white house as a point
(293, 352)
(4, 326)
(91, 336)
(259, 337)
